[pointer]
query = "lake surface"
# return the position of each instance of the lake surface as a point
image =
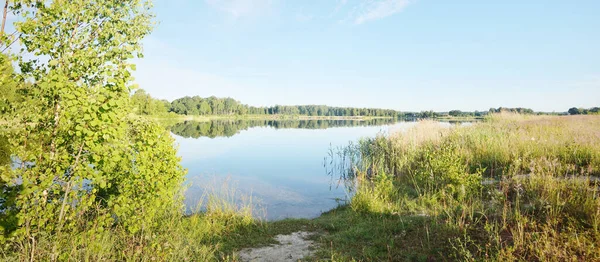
(280, 164)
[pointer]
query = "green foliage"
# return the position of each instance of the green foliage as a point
(458, 113)
(8, 87)
(426, 114)
(374, 195)
(455, 113)
(200, 237)
(150, 178)
(4, 151)
(144, 104)
(86, 167)
(518, 110)
(440, 169)
(207, 106)
(584, 111)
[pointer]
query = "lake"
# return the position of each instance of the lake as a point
(280, 164)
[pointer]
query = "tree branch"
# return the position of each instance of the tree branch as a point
(64, 202)
(55, 128)
(11, 43)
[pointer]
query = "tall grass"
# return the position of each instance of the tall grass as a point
(174, 236)
(510, 188)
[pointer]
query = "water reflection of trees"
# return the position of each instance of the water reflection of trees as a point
(228, 128)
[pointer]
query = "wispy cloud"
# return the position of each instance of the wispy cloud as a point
(377, 9)
(360, 11)
(241, 8)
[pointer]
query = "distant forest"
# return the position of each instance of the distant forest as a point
(584, 111)
(144, 104)
(198, 106)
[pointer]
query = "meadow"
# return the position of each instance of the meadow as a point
(513, 187)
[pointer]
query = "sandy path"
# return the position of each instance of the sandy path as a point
(292, 247)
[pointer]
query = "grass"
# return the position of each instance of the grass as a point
(511, 188)
(221, 226)
(217, 233)
(375, 237)
(205, 236)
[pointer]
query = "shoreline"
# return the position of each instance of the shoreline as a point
(264, 117)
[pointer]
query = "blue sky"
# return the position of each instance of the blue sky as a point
(399, 54)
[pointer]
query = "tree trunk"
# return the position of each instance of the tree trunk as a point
(4, 17)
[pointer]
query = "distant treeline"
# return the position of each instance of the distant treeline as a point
(228, 128)
(473, 114)
(584, 111)
(144, 104)
(198, 106)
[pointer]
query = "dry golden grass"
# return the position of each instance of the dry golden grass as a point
(424, 131)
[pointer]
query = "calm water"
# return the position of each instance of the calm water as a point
(280, 164)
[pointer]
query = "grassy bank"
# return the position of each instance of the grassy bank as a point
(511, 188)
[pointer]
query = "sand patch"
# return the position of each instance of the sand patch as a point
(292, 247)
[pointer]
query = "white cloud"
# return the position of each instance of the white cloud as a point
(241, 8)
(377, 9)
